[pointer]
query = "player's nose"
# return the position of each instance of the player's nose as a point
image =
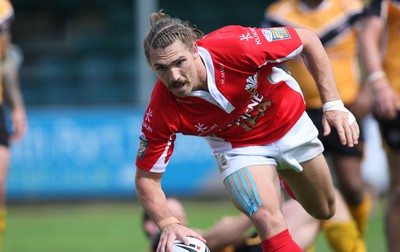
(174, 75)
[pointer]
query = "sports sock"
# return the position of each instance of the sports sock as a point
(311, 248)
(281, 242)
(343, 236)
(361, 213)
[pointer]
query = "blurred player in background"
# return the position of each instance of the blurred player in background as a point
(234, 233)
(337, 24)
(380, 41)
(226, 88)
(11, 95)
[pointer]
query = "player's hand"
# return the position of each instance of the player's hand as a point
(175, 231)
(19, 124)
(386, 103)
(337, 116)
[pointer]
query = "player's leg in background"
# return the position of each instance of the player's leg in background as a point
(353, 188)
(341, 230)
(303, 227)
(374, 163)
(348, 165)
(4, 163)
(392, 216)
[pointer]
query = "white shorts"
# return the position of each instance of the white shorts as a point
(300, 144)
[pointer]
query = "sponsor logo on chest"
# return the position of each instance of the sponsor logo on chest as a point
(257, 107)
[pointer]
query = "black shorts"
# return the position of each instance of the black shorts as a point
(390, 131)
(332, 142)
(4, 136)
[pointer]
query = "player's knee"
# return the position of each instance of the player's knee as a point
(323, 210)
(268, 219)
(329, 212)
(326, 211)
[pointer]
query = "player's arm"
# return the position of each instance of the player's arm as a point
(11, 90)
(153, 200)
(370, 35)
(151, 195)
(12, 93)
(319, 66)
(372, 29)
(387, 103)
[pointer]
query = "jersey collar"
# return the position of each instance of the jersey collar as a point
(216, 96)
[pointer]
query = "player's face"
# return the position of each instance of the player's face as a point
(175, 67)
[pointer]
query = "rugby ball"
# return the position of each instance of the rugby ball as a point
(195, 246)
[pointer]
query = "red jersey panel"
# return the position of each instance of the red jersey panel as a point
(250, 101)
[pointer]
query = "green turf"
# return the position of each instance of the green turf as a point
(114, 226)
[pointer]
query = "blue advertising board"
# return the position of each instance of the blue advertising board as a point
(83, 153)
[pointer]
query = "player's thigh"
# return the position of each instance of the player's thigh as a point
(347, 163)
(394, 171)
(313, 187)
(388, 129)
(253, 184)
(255, 190)
(4, 162)
(348, 168)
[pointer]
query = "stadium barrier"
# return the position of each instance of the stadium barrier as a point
(89, 153)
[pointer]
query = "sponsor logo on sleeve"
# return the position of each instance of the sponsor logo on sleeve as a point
(276, 33)
(144, 143)
(147, 120)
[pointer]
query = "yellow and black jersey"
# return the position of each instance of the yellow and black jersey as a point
(390, 12)
(335, 23)
(6, 12)
(6, 15)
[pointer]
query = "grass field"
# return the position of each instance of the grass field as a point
(115, 226)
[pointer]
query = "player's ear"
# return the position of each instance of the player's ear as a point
(195, 50)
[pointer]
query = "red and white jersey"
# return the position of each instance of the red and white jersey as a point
(250, 101)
